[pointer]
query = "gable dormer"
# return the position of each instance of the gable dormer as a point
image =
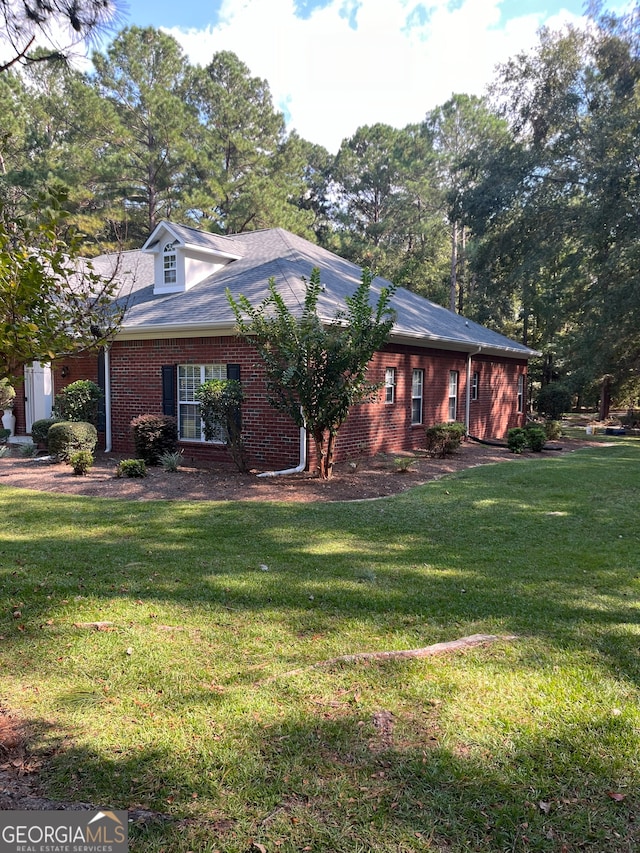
(183, 257)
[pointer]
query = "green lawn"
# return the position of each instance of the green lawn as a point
(187, 704)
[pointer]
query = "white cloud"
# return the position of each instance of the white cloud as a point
(352, 63)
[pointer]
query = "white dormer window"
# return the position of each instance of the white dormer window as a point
(170, 263)
(184, 257)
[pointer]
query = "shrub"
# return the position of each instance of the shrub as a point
(4, 435)
(553, 430)
(171, 461)
(40, 430)
(131, 468)
(154, 435)
(536, 438)
(81, 461)
(28, 450)
(67, 437)
(443, 439)
(403, 464)
(554, 400)
(220, 405)
(516, 440)
(79, 401)
(4, 449)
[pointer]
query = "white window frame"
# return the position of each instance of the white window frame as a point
(454, 378)
(390, 385)
(417, 396)
(475, 385)
(169, 264)
(190, 378)
(520, 394)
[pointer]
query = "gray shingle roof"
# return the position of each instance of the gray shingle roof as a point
(289, 259)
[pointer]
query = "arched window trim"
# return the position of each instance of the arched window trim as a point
(170, 263)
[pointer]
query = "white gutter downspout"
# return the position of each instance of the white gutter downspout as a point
(467, 407)
(107, 400)
(303, 459)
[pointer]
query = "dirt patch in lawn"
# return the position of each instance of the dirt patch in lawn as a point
(361, 479)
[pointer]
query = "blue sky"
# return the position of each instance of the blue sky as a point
(334, 65)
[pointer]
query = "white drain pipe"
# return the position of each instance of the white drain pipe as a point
(303, 459)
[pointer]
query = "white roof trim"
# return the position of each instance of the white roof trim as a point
(153, 241)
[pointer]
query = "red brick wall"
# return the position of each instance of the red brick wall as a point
(272, 439)
(380, 427)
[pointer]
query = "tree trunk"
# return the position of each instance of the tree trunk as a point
(605, 397)
(454, 267)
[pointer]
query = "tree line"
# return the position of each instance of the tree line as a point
(518, 209)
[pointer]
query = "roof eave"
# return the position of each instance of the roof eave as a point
(469, 347)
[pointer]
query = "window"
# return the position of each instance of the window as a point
(520, 393)
(170, 263)
(417, 385)
(475, 385)
(390, 385)
(453, 395)
(190, 378)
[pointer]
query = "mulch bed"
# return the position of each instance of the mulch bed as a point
(361, 479)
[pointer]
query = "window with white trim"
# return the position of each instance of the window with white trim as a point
(520, 408)
(170, 263)
(417, 388)
(475, 385)
(190, 378)
(390, 385)
(453, 395)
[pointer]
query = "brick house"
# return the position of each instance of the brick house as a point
(178, 331)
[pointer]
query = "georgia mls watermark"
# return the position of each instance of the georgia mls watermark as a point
(64, 832)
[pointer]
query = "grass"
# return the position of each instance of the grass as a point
(186, 703)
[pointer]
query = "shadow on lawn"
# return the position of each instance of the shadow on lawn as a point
(510, 553)
(336, 780)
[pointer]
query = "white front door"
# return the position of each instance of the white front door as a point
(38, 392)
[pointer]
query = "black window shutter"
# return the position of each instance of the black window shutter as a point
(233, 372)
(102, 418)
(169, 390)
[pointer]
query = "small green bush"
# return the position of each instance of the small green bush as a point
(131, 468)
(153, 436)
(28, 450)
(67, 437)
(4, 435)
(78, 402)
(536, 438)
(403, 464)
(171, 461)
(40, 430)
(445, 438)
(553, 430)
(81, 461)
(516, 440)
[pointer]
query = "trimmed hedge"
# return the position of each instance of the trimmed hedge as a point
(67, 437)
(40, 429)
(443, 439)
(153, 436)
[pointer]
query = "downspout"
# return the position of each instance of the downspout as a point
(107, 400)
(303, 459)
(467, 407)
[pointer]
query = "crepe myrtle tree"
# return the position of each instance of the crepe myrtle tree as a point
(316, 370)
(52, 302)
